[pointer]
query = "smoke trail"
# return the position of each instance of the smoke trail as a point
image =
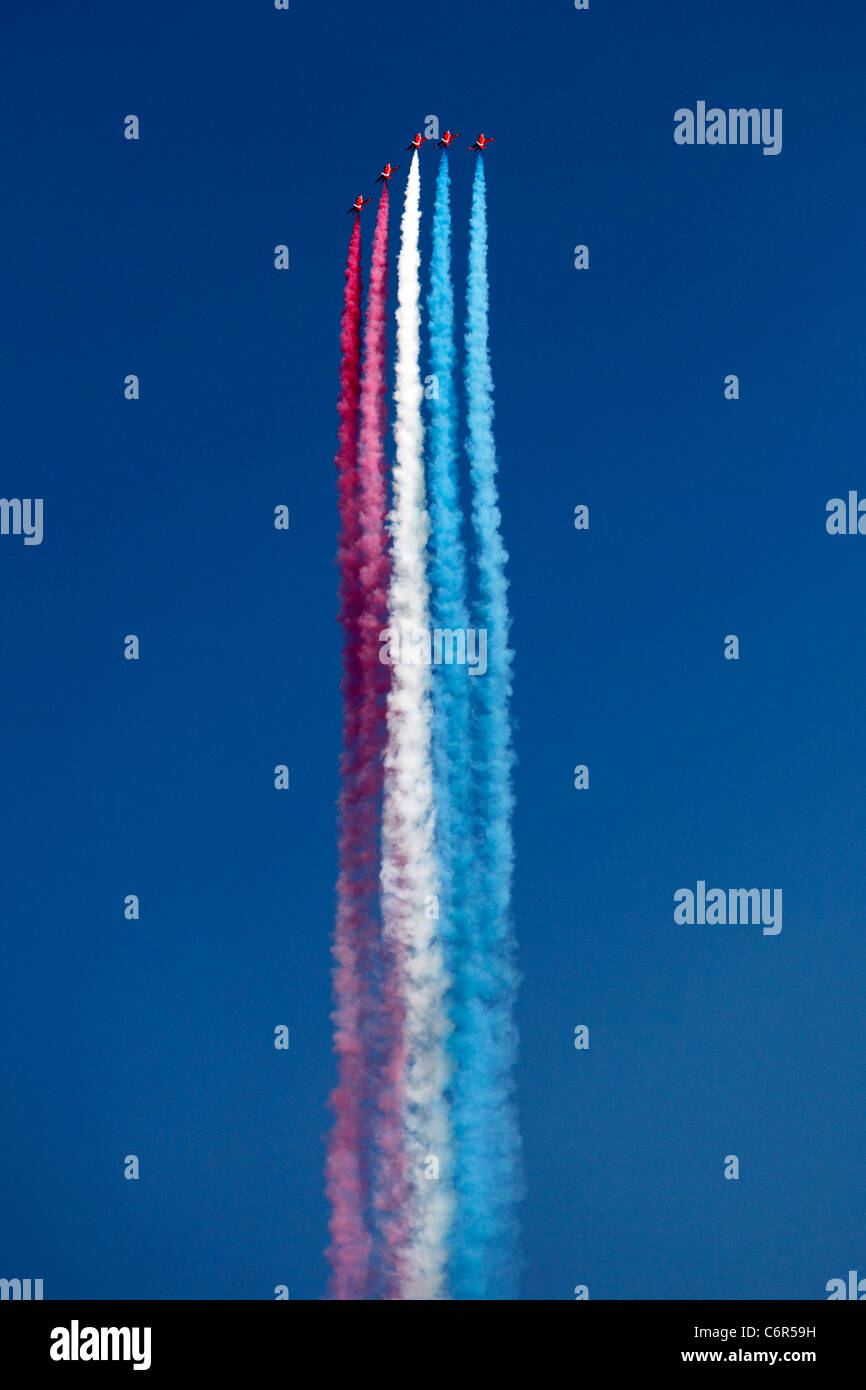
(409, 879)
(346, 1175)
(390, 1195)
(447, 556)
(485, 1125)
(451, 727)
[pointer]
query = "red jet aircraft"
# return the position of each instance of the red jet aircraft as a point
(417, 142)
(360, 202)
(482, 142)
(387, 172)
(447, 139)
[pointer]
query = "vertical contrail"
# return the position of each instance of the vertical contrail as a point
(435, 761)
(486, 1130)
(388, 1066)
(447, 554)
(451, 727)
(409, 877)
(346, 1170)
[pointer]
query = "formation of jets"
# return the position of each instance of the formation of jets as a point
(418, 140)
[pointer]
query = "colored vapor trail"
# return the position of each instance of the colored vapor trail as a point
(423, 1163)
(451, 693)
(346, 1166)
(409, 875)
(489, 1172)
(390, 1184)
(447, 559)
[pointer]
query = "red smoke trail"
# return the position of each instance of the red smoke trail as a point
(347, 1177)
(369, 1011)
(391, 1191)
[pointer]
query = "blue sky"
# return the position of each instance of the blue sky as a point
(706, 518)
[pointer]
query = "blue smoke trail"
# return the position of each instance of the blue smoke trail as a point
(447, 566)
(451, 727)
(486, 1133)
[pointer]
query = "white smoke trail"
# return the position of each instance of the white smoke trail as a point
(409, 877)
